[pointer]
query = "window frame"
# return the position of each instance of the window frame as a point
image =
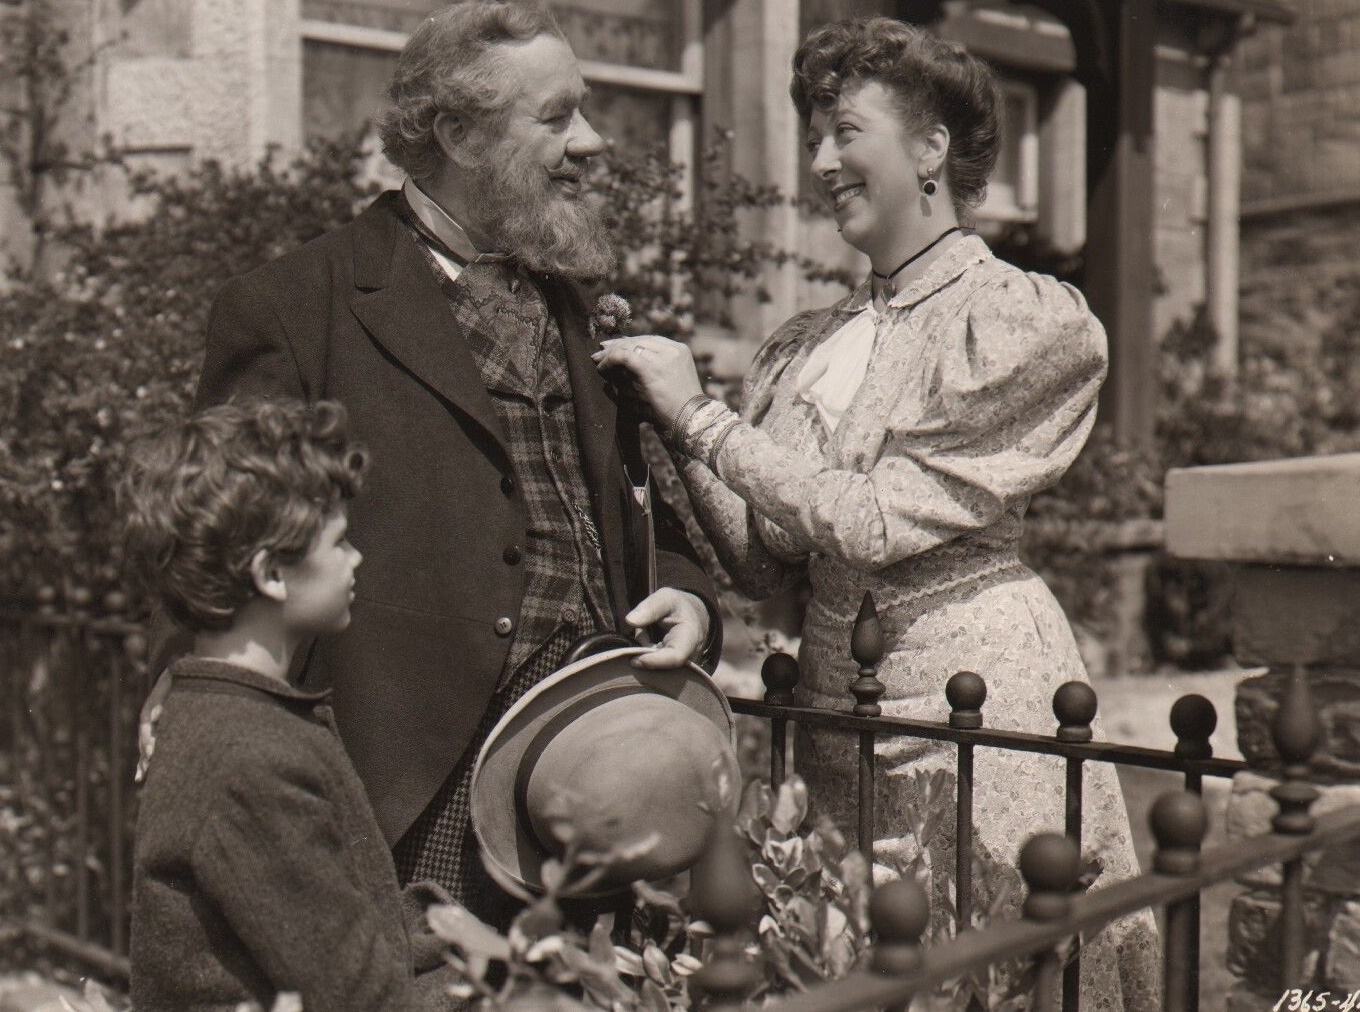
(685, 86)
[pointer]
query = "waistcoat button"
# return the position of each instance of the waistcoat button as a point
(512, 555)
(507, 485)
(503, 626)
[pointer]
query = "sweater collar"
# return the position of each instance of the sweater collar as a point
(206, 670)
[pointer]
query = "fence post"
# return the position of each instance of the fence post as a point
(1179, 822)
(1050, 864)
(966, 692)
(899, 913)
(1074, 704)
(1193, 720)
(780, 674)
(866, 647)
(1296, 731)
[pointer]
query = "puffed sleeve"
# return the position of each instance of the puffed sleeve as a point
(1009, 403)
(727, 521)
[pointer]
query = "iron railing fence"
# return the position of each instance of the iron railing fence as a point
(901, 968)
(71, 687)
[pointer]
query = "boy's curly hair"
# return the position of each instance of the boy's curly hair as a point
(202, 498)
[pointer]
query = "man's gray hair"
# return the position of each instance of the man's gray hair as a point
(450, 65)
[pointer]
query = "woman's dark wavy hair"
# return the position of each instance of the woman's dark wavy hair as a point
(202, 498)
(934, 81)
(450, 64)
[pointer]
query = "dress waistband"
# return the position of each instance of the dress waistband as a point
(920, 578)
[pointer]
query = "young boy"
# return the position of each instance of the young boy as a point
(259, 867)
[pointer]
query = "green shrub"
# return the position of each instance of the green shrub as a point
(109, 348)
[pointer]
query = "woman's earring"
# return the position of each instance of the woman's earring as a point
(929, 187)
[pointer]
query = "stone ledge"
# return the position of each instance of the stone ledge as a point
(1299, 511)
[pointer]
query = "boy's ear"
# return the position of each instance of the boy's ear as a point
(267, 576)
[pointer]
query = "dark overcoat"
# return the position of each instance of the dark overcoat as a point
(358, 316)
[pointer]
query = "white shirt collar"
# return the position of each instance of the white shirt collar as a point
(438, 221)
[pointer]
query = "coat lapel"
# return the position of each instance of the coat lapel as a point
(597, 429)
(401, 305)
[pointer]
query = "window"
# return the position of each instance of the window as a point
(1013, 193)
(643, 59)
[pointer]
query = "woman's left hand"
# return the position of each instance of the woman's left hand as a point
(662, 369)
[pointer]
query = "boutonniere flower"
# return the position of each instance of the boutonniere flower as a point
(609, 318)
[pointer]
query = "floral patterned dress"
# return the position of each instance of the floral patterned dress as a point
(979, 392)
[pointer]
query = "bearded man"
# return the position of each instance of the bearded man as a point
(448, 319)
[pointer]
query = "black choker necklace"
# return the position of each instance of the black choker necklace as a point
(889, 289)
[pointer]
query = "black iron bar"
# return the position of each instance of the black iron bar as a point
(780, 673)
(866, 647)
(112, 966)
(80, 715)
(41, 706)
(54, 620)
(117, 779)
(963, 856)
(1071, 985)
(966, 691)
(1007, 940)
(1016, 741)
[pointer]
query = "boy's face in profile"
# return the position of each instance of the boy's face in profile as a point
(320, 586)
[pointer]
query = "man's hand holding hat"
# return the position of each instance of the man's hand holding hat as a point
(685, 619)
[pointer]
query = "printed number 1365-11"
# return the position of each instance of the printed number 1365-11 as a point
(1297, 1000)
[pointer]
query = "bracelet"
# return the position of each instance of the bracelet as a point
(672, 432)
(718, 443)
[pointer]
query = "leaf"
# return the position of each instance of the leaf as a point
(658, 899)
(94, 997)
(544, 948)
(653, 998)
(656, 964)
(765, 878)
(600, 947)
(683, 965)
(452, 923)
(628, 962)
(790, 806)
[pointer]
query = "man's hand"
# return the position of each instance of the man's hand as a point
(685, 619)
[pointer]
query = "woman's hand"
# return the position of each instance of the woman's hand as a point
(663, 371)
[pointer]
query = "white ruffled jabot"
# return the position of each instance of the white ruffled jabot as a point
(835, 369)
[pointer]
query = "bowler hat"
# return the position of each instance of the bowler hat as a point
(630, 754)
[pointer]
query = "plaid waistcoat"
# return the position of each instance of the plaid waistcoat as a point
(518, 348)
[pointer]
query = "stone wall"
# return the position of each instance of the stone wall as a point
(1300, 88)
(1289, 528)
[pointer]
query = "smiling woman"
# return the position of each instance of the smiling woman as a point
(891, 443)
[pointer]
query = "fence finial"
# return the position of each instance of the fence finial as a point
(899, 913)
(1193, 719)
(1050, 864)
(1179, 823)
(723, 893)
(966, 692)
(780, 674)
(866, 647)
(1296, 732)
(1074, 704)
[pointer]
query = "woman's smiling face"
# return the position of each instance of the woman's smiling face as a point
(864, 162)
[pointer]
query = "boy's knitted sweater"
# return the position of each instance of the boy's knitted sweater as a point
(259, 866)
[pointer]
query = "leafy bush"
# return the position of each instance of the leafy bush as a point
(109, 348)
(810, 925)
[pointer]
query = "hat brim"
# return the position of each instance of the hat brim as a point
(512, 854)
